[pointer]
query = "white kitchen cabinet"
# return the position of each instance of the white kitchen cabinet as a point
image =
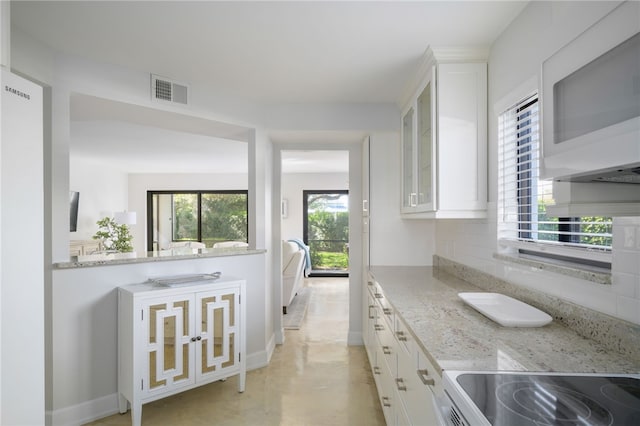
(174, 337)
(444, 142)
(406, 381)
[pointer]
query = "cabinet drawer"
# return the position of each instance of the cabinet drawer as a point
(388, 346)
(427, 372)
(417, 396)
(405, 339)
(385, 385)
(386, 310)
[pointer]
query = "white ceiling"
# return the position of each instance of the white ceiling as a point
(264, 52)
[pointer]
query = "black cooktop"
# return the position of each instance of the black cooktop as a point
(563, 400)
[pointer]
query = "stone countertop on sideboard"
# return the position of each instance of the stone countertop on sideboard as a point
(457, 337)
(153, 256)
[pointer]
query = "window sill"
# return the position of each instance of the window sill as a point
(593, 274)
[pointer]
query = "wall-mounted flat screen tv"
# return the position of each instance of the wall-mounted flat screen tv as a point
(74, 198)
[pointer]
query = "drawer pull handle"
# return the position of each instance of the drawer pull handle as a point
(386, 350)
(401, 336)
(376, 370)
(400, 384)
(386, 402)
(387, 311)
(369, 282)
(425, 378)
(379, 296)
(378, 327)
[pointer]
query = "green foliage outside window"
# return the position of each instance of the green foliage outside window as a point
(185, 217)
(598, 227)
(223, 217)
(328, 236)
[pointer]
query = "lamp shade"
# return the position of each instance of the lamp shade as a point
(125, 218)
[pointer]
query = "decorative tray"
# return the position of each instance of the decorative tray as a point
(505, 310)
(177, 280)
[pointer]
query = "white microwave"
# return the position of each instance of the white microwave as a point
(591, 103)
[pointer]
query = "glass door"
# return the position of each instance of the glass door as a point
(425, 147)
(326, 231)
(408, 193)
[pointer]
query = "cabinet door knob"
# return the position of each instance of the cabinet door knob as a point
(193, 339)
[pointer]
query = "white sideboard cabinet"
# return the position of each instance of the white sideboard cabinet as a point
(444, 139)
(178, 333)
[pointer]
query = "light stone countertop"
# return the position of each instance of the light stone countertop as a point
(155, 256)
(457, 337)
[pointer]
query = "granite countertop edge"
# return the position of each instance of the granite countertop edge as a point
(455, 336)
(156, 256)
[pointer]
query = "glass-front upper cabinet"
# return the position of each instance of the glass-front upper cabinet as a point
(418, 168)
(444, 139)
(425, 146)
(408, 192)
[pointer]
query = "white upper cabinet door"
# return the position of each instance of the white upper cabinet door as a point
(425, 145)
(418, 149)
(462, 138)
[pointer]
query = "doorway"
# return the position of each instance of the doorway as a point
(326, 231)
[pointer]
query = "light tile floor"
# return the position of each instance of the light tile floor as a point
(314, 379)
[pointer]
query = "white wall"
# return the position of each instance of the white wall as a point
(541, 29)
(292, 186)
(393, 240)
(139, 184)
(103, 190)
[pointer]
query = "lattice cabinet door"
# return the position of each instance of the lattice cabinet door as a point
(169, 332)
(218, 322)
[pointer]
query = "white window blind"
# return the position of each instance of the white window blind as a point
(523, 197)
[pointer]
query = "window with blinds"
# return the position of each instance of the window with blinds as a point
(523, 221)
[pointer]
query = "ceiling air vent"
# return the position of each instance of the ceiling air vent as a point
(164, 89)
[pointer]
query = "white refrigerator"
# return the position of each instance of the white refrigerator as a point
(22, 328)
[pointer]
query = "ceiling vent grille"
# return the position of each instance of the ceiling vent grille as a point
(166, 90)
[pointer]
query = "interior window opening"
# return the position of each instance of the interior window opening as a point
(206, 217)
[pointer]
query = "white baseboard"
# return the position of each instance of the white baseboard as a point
(84, 412)
(98, 408)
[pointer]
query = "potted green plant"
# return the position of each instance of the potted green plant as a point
(113, 236)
